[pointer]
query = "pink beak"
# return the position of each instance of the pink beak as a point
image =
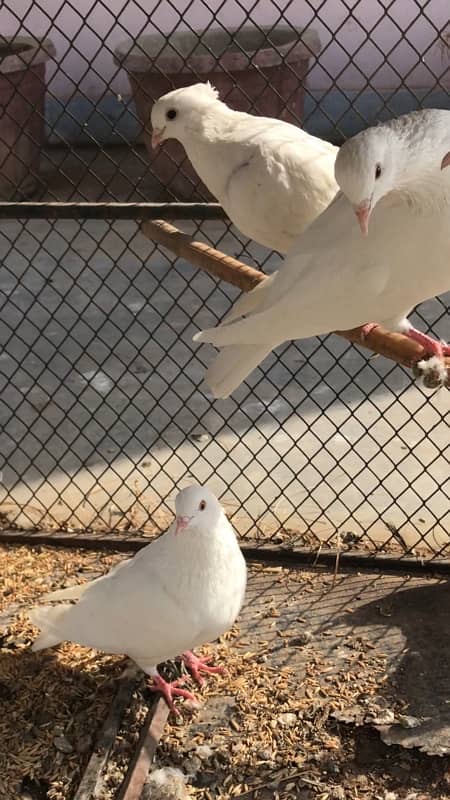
(363, 214)
(157, 135)
(182, 523)
(446, 161)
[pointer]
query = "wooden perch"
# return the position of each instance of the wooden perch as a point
(394, 346)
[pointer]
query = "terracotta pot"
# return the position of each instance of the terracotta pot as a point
(257, 70)
(22, 94)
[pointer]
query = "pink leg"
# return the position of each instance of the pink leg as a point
(170, 690)
(367, 328)
(197, 665)
(431, 345)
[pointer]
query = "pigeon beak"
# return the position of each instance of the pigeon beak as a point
(157, 135)
(363, 213)
(182, 523)
(446, 161)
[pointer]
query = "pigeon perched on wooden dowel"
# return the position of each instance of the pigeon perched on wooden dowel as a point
(272, 178)
(336, 279)
(181, 591)
(367, 166)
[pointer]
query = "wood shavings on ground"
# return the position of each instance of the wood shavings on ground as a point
(27, 572)
(52, 702)
(271, 727)
(267, 730)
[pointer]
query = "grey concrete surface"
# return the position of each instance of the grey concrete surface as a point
(104, 415)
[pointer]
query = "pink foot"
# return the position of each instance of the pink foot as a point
(367, 328)
(197, 665)
(170, 690)
(432, 346)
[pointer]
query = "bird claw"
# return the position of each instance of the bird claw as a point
(171, 690)
(433, 373)
(196, 665)
(431, 370)
(432, 346)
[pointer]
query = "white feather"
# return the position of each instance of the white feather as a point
(271, 177)
(336, 279)
(179, 592)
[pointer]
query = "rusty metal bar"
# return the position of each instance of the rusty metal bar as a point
(394, 346)
(140, 211)
(92, 782)
(144, 754)
(93, 776)
(295, 557)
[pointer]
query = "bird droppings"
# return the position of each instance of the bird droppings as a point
(286, 720)
(166, 783)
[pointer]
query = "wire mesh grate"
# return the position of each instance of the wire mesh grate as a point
(103, 409)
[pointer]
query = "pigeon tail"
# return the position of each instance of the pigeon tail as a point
(249, 302)
(47, 618)
(70, 593)
(249, 330)
(232, 365)
(432, 346)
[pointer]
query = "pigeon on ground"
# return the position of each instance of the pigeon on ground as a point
(336, 279)
(182, 590)
(272, 178)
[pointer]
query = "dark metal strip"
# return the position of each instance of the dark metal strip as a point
(141, 211)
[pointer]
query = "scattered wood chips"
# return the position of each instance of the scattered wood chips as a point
(52, 702)
(265, 730)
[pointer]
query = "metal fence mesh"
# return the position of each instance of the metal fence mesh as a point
(103, 410)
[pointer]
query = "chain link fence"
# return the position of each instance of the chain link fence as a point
(103, 410)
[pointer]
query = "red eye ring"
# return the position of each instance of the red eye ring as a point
(202, 505)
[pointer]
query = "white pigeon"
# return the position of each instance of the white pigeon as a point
(336, 279)
(182, 590)
(271, 177)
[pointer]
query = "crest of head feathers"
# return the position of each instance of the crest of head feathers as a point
(211, 90)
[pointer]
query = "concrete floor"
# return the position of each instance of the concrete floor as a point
(104, 414)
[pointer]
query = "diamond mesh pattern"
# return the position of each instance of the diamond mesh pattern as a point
(103, 411)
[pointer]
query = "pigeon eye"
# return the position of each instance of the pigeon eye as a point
(377, 171)
(171, 113)
(202, 505)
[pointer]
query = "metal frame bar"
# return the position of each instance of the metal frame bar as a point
(140, 211)
(294, 557)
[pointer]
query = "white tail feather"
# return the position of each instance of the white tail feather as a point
(232, 365)
(47, 618)
(249, 302)
(71, 593)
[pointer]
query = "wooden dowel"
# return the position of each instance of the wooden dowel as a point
(394, 346)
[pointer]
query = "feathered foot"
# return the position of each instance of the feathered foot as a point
(196, 665)
(432, 346)
(170, 690)
(433, 373)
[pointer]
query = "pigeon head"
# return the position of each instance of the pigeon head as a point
(196, 507)
(173, 112)
(366, 169)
